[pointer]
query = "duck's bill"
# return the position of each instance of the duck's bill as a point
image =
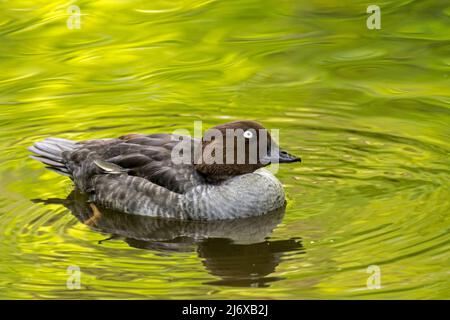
(280, 156)
(284, 157)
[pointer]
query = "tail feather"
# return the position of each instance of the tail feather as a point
(49, 162)
(62, 143)
(48, 146)
(46, 152)
(50, 152)
(62, 171)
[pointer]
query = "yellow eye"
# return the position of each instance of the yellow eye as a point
(248, 134)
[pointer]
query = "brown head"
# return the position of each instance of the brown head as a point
(238, 147)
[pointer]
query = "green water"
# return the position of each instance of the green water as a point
(368, 111)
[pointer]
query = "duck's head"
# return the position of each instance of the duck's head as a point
(239, 147)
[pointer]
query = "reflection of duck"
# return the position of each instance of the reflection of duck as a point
(245, 265)
(237, 250)
(172, 176)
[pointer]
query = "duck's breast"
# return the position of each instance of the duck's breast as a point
(242, 196)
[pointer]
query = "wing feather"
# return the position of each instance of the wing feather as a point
(145, 156)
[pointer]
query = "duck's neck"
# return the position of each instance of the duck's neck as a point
(215, 179)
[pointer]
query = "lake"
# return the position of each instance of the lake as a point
(367, 110)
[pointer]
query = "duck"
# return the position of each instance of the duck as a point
(220, 176)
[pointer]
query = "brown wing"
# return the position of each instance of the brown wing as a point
(146, 156)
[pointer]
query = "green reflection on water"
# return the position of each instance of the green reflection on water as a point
(368, 111)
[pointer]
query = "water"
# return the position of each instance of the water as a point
(368, 111)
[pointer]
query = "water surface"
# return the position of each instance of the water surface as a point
(368, 111)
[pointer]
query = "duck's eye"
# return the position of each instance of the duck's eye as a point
(248, 134)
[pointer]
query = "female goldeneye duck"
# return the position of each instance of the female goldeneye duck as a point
(219, 177)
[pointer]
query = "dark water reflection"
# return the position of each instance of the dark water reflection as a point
(238, 252)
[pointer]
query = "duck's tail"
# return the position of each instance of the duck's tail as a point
(50, 152)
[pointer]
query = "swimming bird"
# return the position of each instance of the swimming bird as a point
(220, 176)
